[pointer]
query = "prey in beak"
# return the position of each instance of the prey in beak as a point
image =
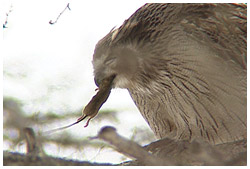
(98, 100)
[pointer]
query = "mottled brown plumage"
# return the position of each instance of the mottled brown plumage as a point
(184, 66)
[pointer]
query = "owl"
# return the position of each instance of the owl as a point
(184, 66)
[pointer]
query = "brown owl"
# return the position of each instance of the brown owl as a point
(184, 66)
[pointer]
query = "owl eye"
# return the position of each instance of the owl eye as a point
(109, 61)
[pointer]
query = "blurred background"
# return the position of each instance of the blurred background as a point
(48, 77)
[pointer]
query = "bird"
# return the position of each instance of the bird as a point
(185, 68)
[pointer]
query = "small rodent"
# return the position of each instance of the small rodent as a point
(97, 101)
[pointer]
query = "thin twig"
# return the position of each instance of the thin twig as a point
(67, 7)
(6, 19)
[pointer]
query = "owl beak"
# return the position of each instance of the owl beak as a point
(98, 80)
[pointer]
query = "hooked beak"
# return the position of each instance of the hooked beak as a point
(98, 81)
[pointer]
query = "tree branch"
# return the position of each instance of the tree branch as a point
(162, 152)
(67, 7)
(34, 155)
(174, 152)
(18, 159)
(130, 148)
(6, 19)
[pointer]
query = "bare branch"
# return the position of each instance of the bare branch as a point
(18, 159)
(6, 19)
(130, 148)
(67, 7)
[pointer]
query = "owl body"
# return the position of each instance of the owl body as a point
(184, 66)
